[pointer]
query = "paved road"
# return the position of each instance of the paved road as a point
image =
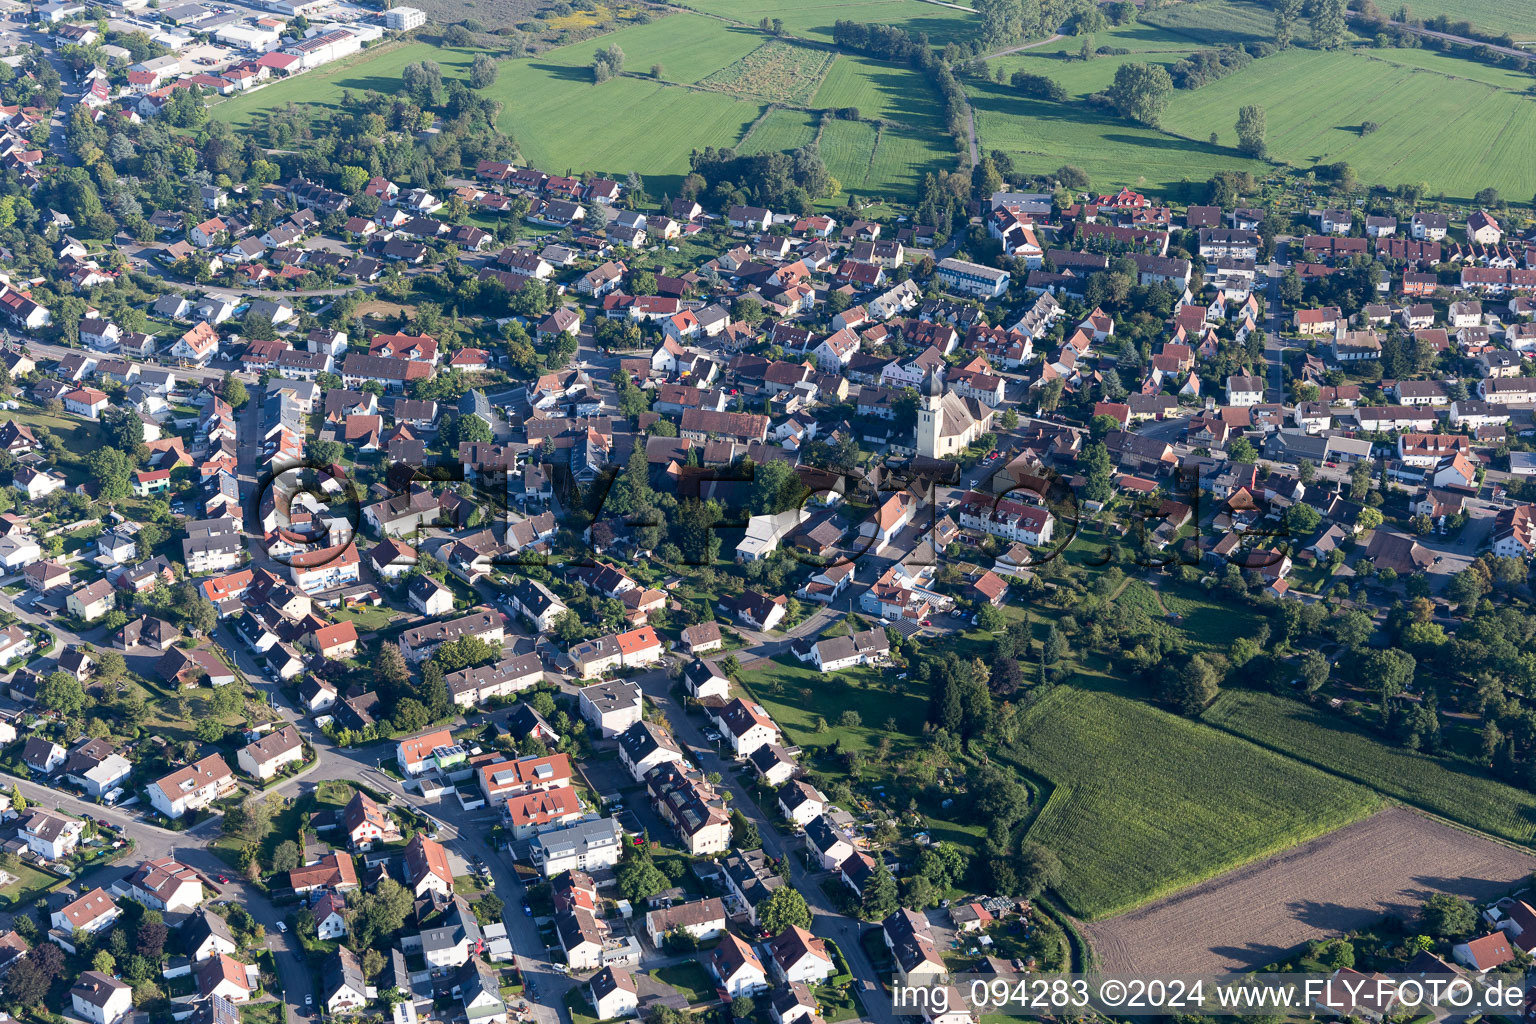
(47, 350)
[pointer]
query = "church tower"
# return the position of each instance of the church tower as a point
(929, 413)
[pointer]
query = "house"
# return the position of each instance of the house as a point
(335, 871)
(688, 802)
(910, 940)
(166, 885)
(91, 913)
(611, 706)
(1483, 229)
(1485, 953)
(224, 977)
(502, 780)
(418, 643)
(703, 919)
(613, 993)
(100, 999)
(96, 767)
(797, 955)
(205, 934)
(478, 987)
(37, 483)
(701, 638)
(267, 756)
(414, 753)
(334, 642)
(48, 835)
(760, 611)
(583, 846)
(42, 755)
(827, 843)
(192, 788)
(645, 746)
(745, 725)
(426, 867)
(343, 988)
(330, 913)
(801, 802)
(429, 597)
(471, 686)
(736, 967)
(704, 680)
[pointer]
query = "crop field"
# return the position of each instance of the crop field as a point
(814, 18)
(1346, 880)
(778, 71)
(1327, 740)
(1218, 22)
(780, 130)
(1154, 803)
(882, 92)
(1517, 17)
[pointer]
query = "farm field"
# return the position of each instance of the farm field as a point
(1516, 17)
(882, 92)
(782, 129)
(1146, 803)
(1327, 740)
(814, 18)
(778, 71)
(1345, 880)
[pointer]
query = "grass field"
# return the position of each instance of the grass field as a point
(1517, 17)
(814, 18)
(1326, 739)
(377, 67)
(1397, 89)
(29, 884)
(782, 129)
(882, 92)
(1201, 802)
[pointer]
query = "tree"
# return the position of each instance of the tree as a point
(287, 856)
(1250, 132)
(785, 909)
(104, 962)
(380, 912)
(1369, 518)
(1314, 671)
(234, 391)
(1038, 869)
(63, 693)
(744, 833)
(1240, 449)
(1286, 13)
(482, 71)
(1302, 519)
(1141, 91)
(1098, 470)
(1447, 916)
(638, 876)
(1330, 24)
(1196, 685)
(880, 898)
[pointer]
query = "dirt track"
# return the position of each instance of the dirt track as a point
(1247, 918)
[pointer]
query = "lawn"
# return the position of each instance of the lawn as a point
(80, 438)
(690, 979)
(270, 1012)
(797, 695)
(1146, 803)
(367, 618)
(30, 883)
(1452, 789)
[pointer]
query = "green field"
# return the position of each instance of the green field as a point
(782, 129)
(1327, 739)
(778, 71)
(882, 92)
(718, 81)
(1397, 89)
(1147, 803)
(1517, 17)
(377, 68)
(814, 18)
